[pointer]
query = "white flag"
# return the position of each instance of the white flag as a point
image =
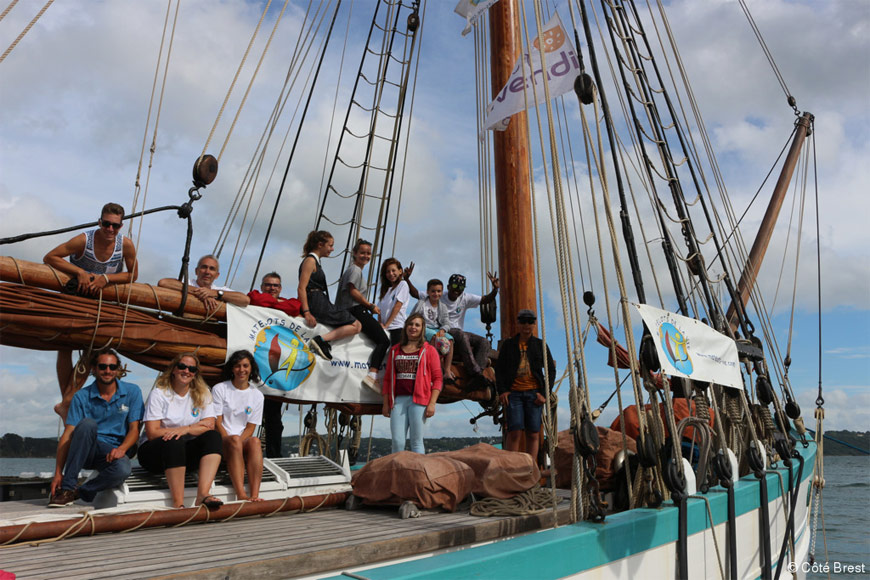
(471, 11)
(562, 68)
(287, 366)
(691, 349)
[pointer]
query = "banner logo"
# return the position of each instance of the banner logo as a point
(689, 348)
(553, 38)
(674, 344)
(287, 358)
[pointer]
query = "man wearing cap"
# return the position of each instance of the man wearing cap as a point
(101, 428)
(471, 348)
(203, 287)
(519, 376)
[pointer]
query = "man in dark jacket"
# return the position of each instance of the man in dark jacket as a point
(519, 375)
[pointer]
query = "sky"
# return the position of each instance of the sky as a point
(75, 98)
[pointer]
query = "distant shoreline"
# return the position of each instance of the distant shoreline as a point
(15, 446)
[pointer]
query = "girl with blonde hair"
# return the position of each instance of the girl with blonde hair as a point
(180, 431)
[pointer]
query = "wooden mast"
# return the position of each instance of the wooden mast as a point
(765, 231)
(511, 158)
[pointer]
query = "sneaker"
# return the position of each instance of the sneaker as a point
(372, 383)
(63, 498)
(321, 347)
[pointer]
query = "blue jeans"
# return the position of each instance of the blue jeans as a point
(523, 414)
(88, 452)
(407, 416)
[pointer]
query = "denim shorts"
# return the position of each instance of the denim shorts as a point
(523, 414)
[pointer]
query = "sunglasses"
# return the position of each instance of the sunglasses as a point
(104, 366)
(184, 367)
(108, 224)
(526, 320)
(456, 287)
(270, 285)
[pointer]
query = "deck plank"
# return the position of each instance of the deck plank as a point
(279, 546)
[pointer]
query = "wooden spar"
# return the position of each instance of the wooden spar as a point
(102, 523)
(511, 158)
(765, 231)
(144, 295)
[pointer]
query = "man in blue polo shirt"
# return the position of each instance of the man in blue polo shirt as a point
(101, 427)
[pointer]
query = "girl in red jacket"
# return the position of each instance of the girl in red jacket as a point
(412, 383)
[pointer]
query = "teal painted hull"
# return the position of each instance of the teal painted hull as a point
(627, 543)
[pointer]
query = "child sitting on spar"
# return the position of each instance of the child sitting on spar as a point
(437, 322)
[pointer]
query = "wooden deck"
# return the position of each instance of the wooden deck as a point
(280, 546)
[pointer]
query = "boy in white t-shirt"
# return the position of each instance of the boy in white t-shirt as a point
(437, 322)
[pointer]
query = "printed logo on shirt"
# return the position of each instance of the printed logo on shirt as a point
(195, 412)
(123, 408)
(248, 410)
(285, 354)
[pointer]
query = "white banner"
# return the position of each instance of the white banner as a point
(562, 68)
(471, 11)
(288, 368)
(691, 349)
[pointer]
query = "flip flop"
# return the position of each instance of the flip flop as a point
(211, 502)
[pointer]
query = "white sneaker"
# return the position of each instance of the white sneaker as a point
(372, 383)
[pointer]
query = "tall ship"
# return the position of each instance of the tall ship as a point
(597, 198)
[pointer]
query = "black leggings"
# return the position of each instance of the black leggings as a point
(373, 330)
(158, 455)
(273, 427)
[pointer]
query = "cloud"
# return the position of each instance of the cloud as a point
(847, 407)
(856, 352)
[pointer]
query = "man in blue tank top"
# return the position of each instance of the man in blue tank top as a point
(97, 258)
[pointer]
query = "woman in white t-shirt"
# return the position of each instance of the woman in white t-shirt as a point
(179, 431)
(239, 409)
(394, 298)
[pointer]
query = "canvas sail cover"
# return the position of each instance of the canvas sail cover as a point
(689, 348)
(289, 368)
(497, 473)
(429, 481)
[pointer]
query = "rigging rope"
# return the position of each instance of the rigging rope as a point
(769, 55)
(7, 9)
(26, 28)
(233, 84)
(249, 183)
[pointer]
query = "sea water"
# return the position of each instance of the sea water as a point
(27, 466)
(846, 511)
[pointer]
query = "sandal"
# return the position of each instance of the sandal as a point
(211, 502)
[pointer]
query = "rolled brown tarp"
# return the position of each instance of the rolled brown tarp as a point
(100, 524)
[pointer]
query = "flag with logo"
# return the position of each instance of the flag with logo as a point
(689, 348)
(471, 11)
(562, 68)
(288, 368)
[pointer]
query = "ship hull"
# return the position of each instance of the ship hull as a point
(639, 543)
